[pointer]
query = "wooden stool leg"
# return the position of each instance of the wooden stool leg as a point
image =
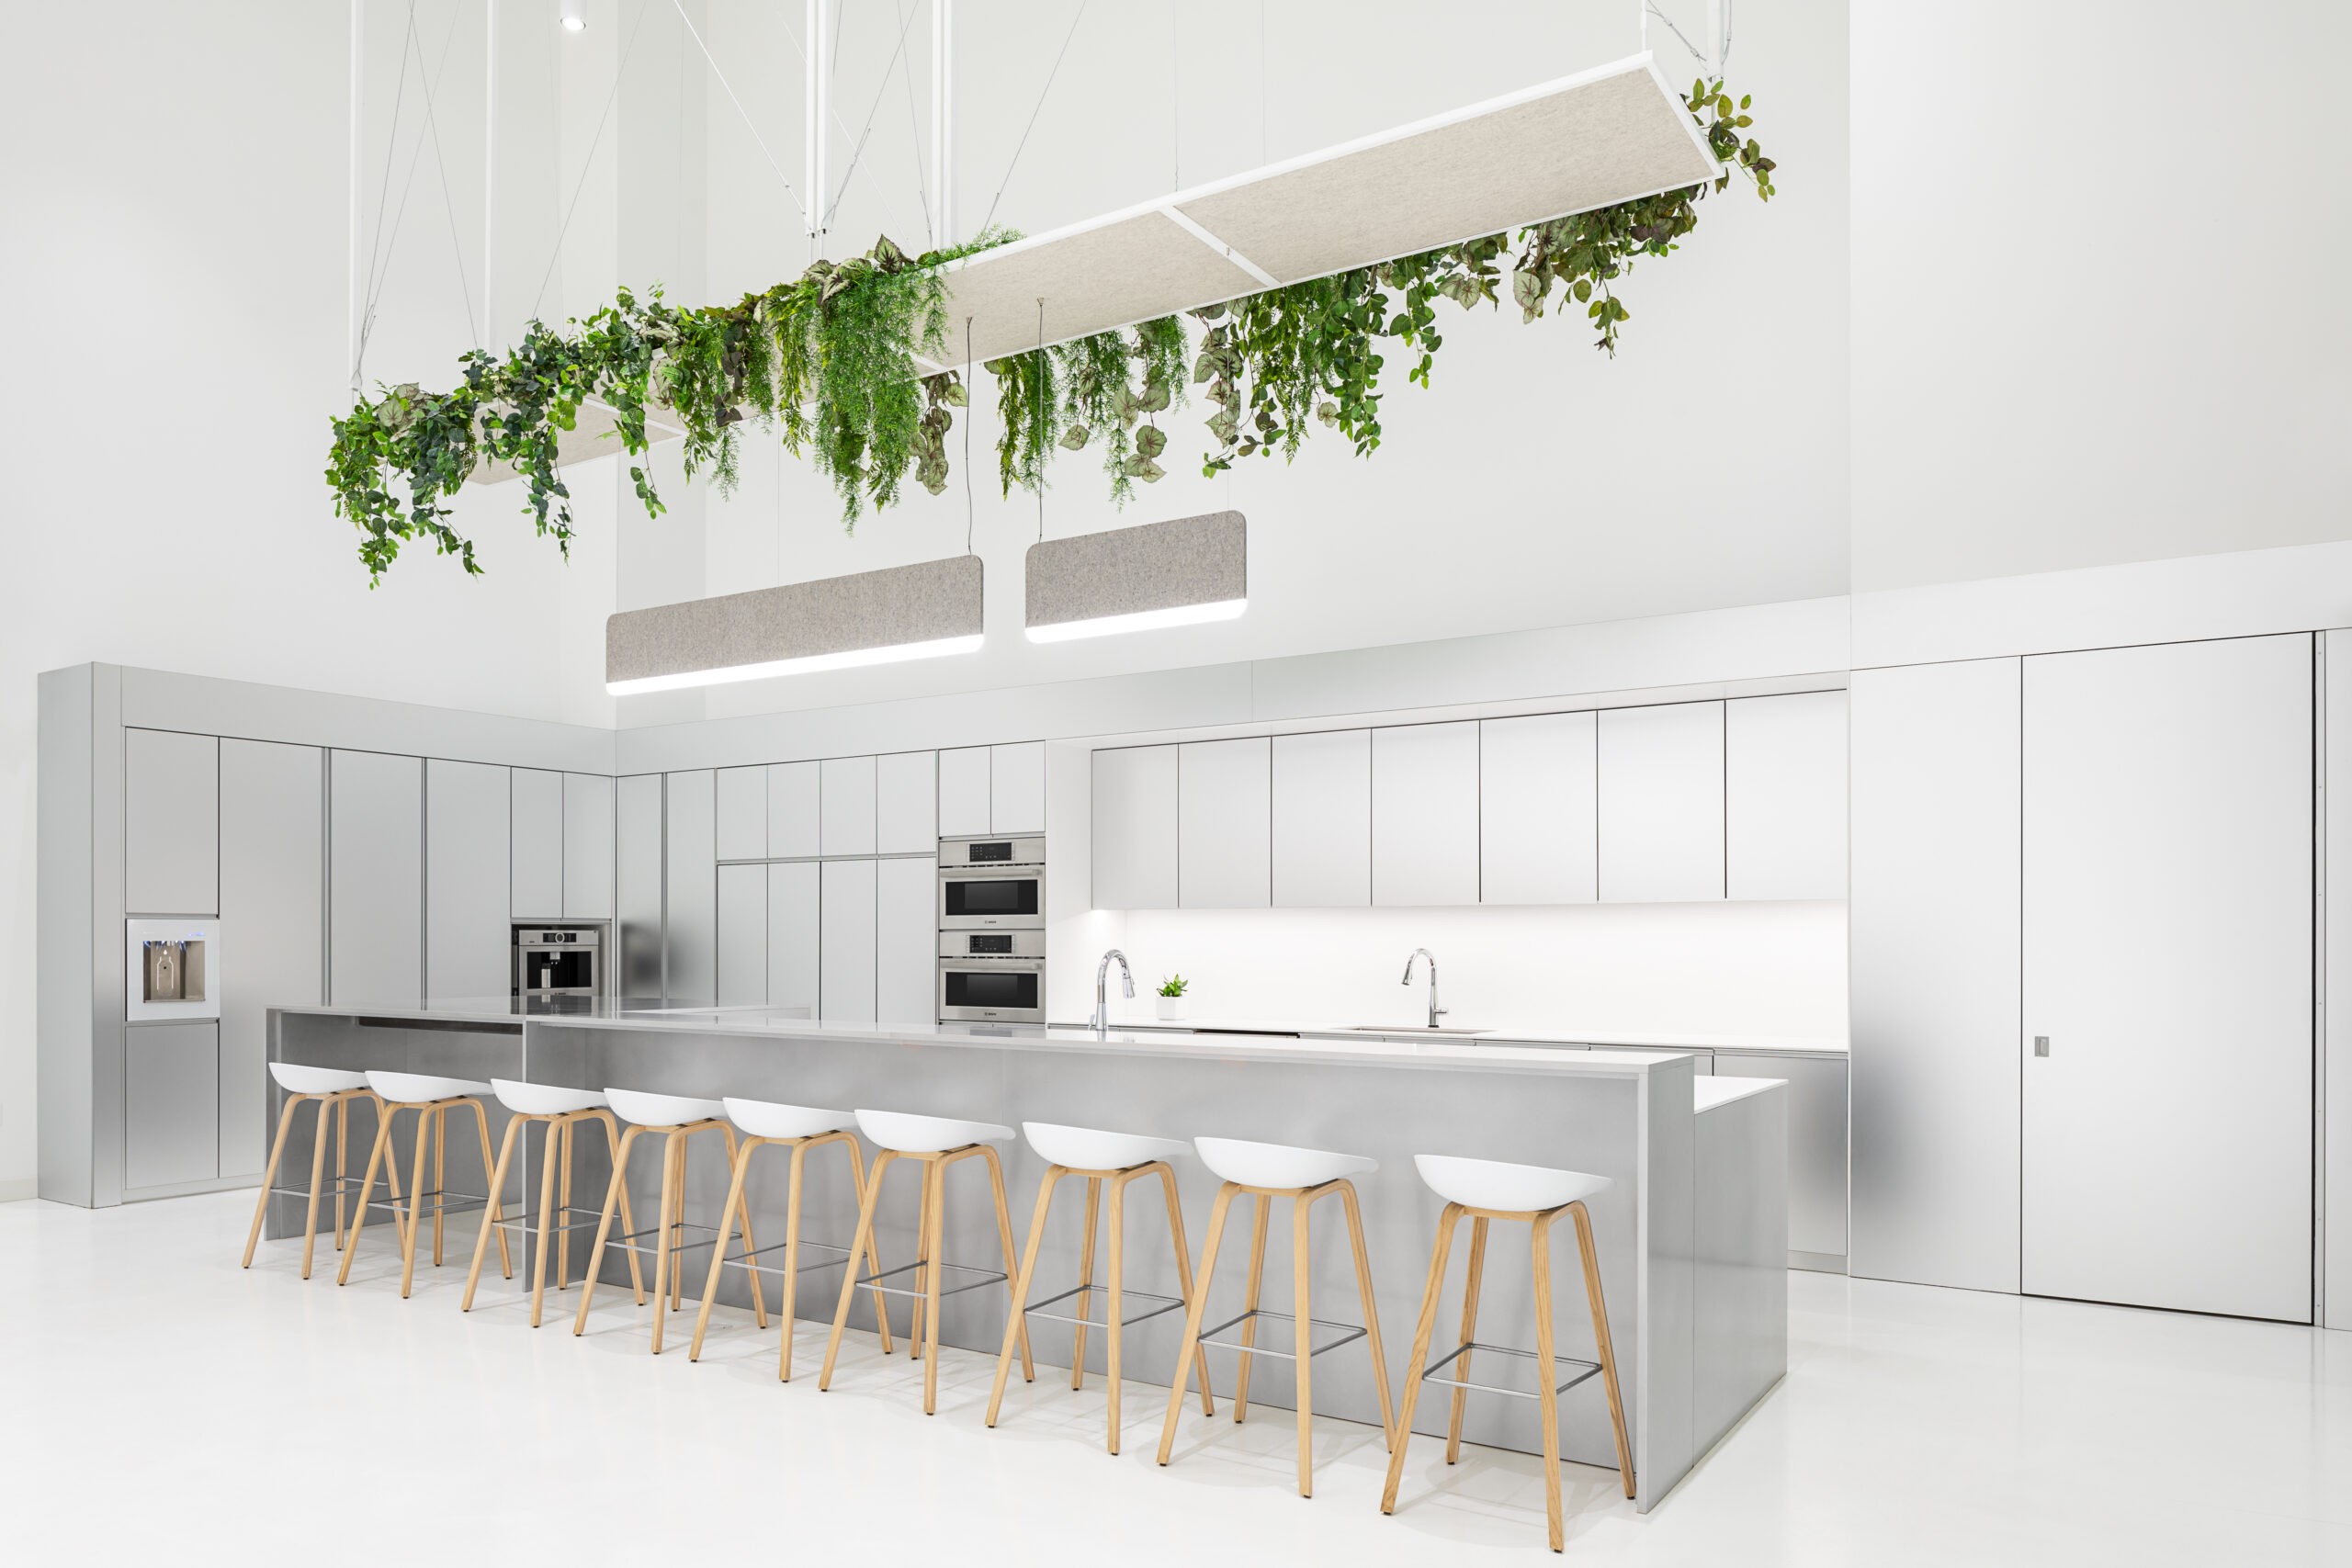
(858, 1245)
(742, 1164)
(1545, 1373)
(1371, 1311)
(1301, 1303)
(1191, 1342)
(1249, 1305)
(440, 1164)
(366, 1186)
(934, 1249)
(1607, 1355)
(558, 1129)
(514, 1125)
(1184, 1278)
(1005, 1245)
(1113, 1295)
(564, 1199)
(751, 1243)
(873, 1251)
(615, 1141)
(342, 1164)
(921, 1270)
(787, 1302)
(318, 1178)
(490, 1209)
(1085, 1281)
(269, 1174)
(614, 1191)
(424, 1119)
(1470, 1288)
(661, 1237)
(1024, 1279)
(1417, 1360)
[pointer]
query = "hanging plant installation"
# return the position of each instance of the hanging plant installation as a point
(844, 365)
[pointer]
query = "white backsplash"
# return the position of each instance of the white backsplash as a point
(1770, 969)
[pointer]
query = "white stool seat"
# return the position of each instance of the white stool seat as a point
(1277, 1165)
(544, 1099)
(1087, 1148)
(296, 1079)
(767, 1119)
(904, 1132)
(662, 1110)
(1513, 1189)
(421, 1088)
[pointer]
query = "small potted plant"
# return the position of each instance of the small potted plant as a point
(1172, 997)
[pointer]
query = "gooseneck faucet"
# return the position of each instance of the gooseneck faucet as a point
(1436, 1011)
(1127, 983)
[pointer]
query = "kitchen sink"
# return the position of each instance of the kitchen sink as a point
(1408, 1031)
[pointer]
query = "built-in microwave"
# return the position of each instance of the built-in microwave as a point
(992, 884)
(993, 977)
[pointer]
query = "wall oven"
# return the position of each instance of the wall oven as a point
(993, 977)
(992, 884)
(558, 960)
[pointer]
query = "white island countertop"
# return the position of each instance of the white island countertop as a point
(1597, 1038)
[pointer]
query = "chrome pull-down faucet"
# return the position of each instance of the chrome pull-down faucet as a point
(1127, 983)
(1436, 1011)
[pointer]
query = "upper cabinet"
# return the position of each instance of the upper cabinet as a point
(1135, 828)
(171, 823)
(1539, 809)
(1322, 819)
(792, 811)
(537, 831)
(1017, 788)
(906, 803)
(1425, 814)
(588, 817)
(1662, 803)
(1784, 808)
(964, 793)
(1224, 824)
(742, 813)
(845, 805)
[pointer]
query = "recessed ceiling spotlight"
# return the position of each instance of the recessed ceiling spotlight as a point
(575, 16)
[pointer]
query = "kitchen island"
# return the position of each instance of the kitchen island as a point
(1690, 1233)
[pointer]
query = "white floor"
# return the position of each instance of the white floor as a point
(155, 1402)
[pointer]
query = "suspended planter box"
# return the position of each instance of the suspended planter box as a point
(595, 433)
(1616, 133)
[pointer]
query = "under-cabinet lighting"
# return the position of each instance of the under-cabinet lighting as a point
(1180, 573)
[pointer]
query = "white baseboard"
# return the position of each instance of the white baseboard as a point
(22, 1188)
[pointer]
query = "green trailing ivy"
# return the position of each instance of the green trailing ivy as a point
(828, 362)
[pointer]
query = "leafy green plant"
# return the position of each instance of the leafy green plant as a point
(830, 361)
(1174, 986)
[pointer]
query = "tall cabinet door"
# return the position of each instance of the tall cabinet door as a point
(906, 940)
(690, 879)
(587, 847)
(2168, 926)
(846, 941)
(375, 878)
(793, 936)
(743, 935)
(467, 817)
(536, 833)
(273, 908)
(637, 886)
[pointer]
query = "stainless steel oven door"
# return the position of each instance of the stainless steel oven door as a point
(993, 990)
(972, 899)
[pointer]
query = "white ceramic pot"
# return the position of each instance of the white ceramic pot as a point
(1170, 1008)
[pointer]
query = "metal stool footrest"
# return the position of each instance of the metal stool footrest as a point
(770, 1268)
(449, 1203)
(1349, 1334)
(630, 1243)
(1585, 1369)
(589, 1219)
(986, 1276)
(330, 1186)
(1162, 1304)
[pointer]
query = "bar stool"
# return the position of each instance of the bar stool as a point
(935, 1143)
(676, 1118)
(1489, 1189)
(799, 1128)
(562, 1110)
(1117, 1158)
(335, 1090)
(1268, 1171)
(431, 1098)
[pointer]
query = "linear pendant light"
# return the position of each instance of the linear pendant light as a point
(925, 611)
(1177, 574)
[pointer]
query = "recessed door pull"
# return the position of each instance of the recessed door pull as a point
(2042, 1045)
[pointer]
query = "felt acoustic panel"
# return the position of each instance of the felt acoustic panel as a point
(1187, 569)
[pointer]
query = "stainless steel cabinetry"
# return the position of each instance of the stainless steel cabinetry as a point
(1537, 809)
(690, 881)
(637, 884)
(536, 830)
(1425, 814)
(743, 829)
(375, 878)
(1816, 1147)
(171, 1127)
(273, 908)
(468, 896)
(792, 937)
(1224, 820)
(1135, 828)
(588, 826)
(743, 935)
(171, 812)
(1662, 803)
(1322, 834)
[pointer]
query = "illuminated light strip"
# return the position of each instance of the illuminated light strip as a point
(849, 659)
(1141, 621)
